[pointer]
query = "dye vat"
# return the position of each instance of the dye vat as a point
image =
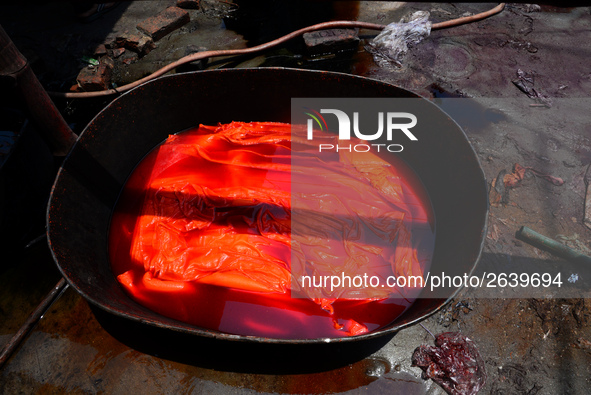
(91, 178)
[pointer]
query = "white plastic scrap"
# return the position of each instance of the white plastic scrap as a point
(573, 278)
(391, 45)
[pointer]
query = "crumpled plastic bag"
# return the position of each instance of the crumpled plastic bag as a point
(454, 363)
(391, 45)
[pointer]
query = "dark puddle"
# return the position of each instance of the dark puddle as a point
(469, 114)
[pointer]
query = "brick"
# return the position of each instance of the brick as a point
(107, 61)
(165, 22)
(96, 78)
(118, 52)
(331, 41)
(136, 42)
(188, 4)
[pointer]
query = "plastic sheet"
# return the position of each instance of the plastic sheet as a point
(454, 363)
(392, 44)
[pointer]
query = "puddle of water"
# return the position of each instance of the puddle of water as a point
(468, 113)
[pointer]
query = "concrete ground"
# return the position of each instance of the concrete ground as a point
(533, 340)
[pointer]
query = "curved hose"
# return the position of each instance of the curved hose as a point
(265, 46)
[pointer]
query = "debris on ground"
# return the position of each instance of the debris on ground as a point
(391, 45)
(528, 46)
(90, 61)
(525, 83)
(572, 314)
(453, 312)
(118, 52)
(504, 182)
(583, 344)
(134, 41)
(512, 180)
(96, 78)
(574, 242)
(529, 8)
(454, 363)
(218, 9)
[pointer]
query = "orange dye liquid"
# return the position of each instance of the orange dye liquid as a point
(204, 232)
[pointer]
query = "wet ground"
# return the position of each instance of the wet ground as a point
(530, 345)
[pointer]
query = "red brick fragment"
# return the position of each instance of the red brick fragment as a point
(118, 52)
(136, 42)
(331, 41)
(96, 78)
(165, 22)
(188, 4)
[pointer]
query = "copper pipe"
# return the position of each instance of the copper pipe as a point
(468, 19)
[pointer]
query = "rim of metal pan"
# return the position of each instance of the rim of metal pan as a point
(83, 153)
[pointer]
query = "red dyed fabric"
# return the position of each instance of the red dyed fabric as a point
(207, 218)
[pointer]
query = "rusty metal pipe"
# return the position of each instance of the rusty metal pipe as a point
(33, 319)
(547, 244)
(43, 111)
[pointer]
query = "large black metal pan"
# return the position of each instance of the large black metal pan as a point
(92, 175)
